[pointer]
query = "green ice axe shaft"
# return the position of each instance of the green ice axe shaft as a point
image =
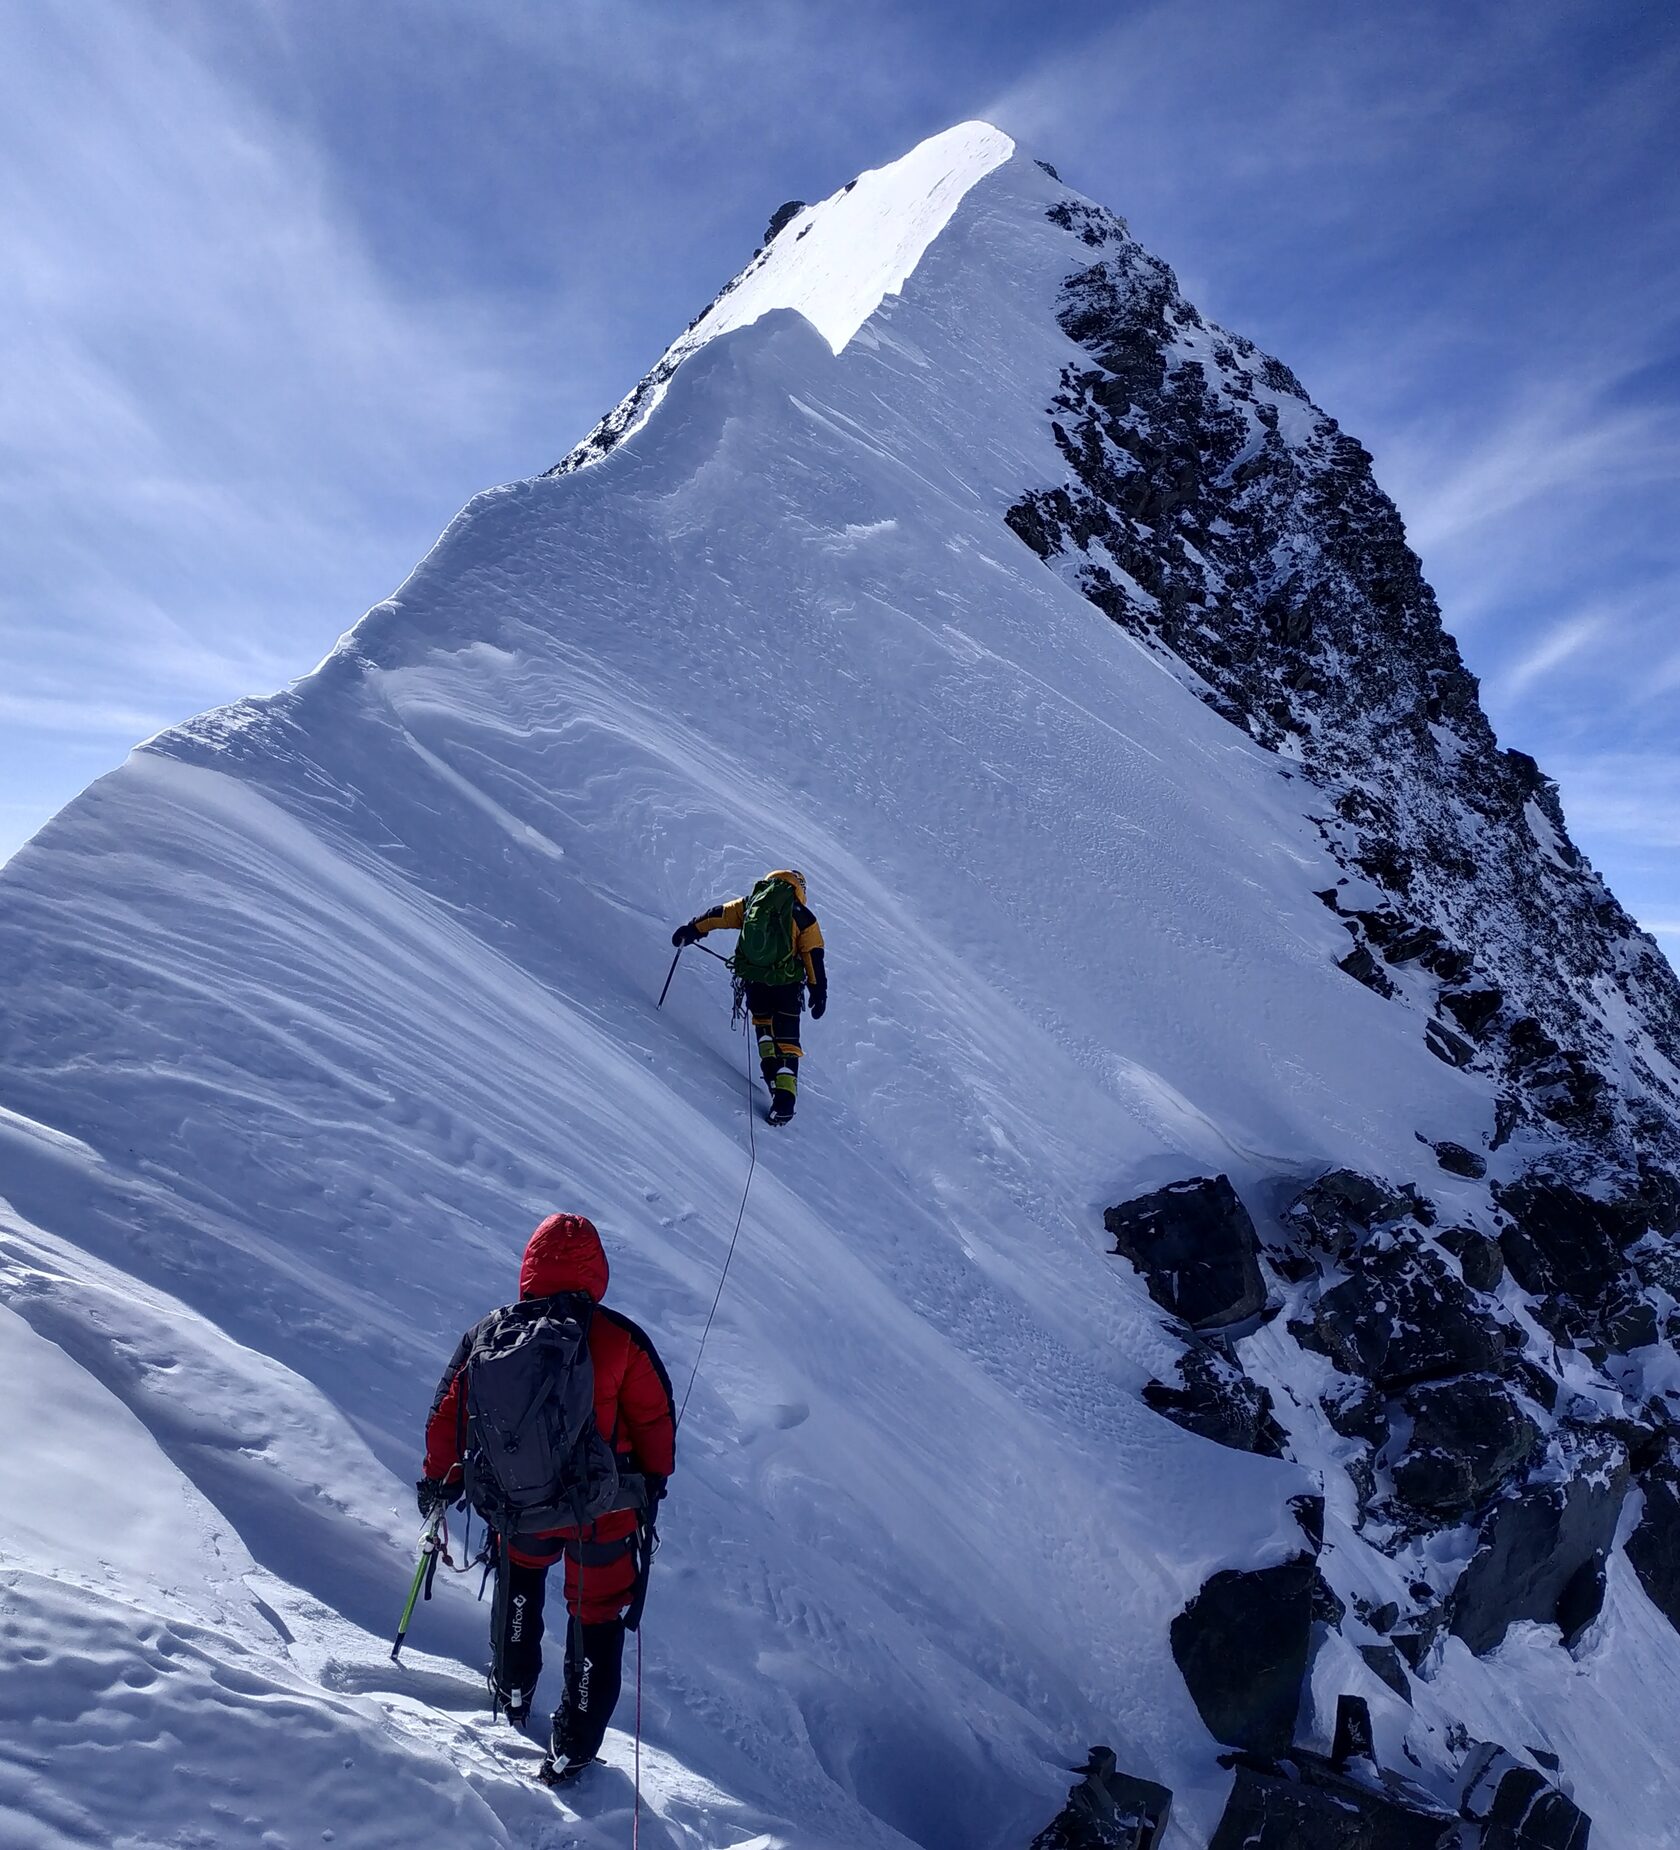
(428, 1555)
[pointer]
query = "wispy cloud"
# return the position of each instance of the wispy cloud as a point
(1549, 652)
(1634, 796)
(223, 427)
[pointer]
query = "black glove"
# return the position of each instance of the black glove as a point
(686, 934)
(655, 1492)
(819, 1002)
(433, 1494)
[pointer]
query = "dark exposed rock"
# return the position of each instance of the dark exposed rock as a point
(1531, 1379)
(1426, 1623)
(1473, 1008)
(1582, 1599)
(1357, 1411)
(1364, 968)
(1241, 1645)
(1309, 1806)
(1653, 1205)
(1529, 1042)
(1654, 1547)
(1353, 1739)
(1342, 1204)
(1196, 1248)
(1478, 1256)
(1308, 1511)
(1413, 1647)
(1458, 1161)
(1517, 1807)
(1381, 1618)
(1445, 1045)
(1570, 1090)
(1629, 1321)
(1657, 1262)
(1385, 1662)
(1560, 1241)
(1542, 1550)
(1468, 1437)
(1219, 1401)
(1647, 1436)
(1328, 1607)
(1108, 1810)
(1404, 1317)
(1033, 521)
(1414, 944)
(1293, 1266)
(1333, 1216)
(782, 217)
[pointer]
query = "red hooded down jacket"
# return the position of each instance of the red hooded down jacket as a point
(633, 1404)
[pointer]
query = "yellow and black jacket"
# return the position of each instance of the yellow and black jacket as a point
(807, 933)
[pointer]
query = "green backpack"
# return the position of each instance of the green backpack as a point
(764, 951)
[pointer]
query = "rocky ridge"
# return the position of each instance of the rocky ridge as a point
(1216, 514)
(1498, 1388)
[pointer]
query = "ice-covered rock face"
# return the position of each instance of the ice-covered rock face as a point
(312, 1009)
(1217, 514)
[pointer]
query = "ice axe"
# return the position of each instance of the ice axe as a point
(673, 969)
(424, 1571)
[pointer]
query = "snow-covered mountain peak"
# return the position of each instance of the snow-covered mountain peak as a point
(1168, 868)
(833, 262)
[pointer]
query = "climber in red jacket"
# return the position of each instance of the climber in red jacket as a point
(605, 1558)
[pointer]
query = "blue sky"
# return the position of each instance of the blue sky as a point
(287, 280)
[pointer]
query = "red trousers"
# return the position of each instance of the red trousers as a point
(600, 1564)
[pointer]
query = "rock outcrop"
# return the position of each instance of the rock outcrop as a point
(1196, 1248)
(1108, 1810)
(1307, 1805)
(1542, 1550)
(1241, 1645)
(1517, 1807)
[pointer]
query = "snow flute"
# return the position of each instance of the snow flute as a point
(423, 1570)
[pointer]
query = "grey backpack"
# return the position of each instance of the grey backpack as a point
(535, 1459)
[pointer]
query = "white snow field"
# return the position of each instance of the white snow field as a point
(312, 1009)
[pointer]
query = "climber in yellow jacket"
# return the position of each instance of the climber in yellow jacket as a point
(778, 956)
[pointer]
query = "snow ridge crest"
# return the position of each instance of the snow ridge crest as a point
(833, 262)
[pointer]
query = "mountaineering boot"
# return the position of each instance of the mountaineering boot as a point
(567, 1755)
(559, 1771)
(781, 1107)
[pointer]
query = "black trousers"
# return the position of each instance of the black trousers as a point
(775, 1009)
(594, 1658)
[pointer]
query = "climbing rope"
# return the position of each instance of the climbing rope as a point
(636, 1818)
(694, 1372)
(740, 1216)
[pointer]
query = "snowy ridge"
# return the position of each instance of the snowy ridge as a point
(833, 263)
(315, 1006)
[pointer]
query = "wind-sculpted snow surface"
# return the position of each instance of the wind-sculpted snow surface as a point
(312, 1009)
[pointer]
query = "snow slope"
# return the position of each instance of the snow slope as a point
(314, 1007)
